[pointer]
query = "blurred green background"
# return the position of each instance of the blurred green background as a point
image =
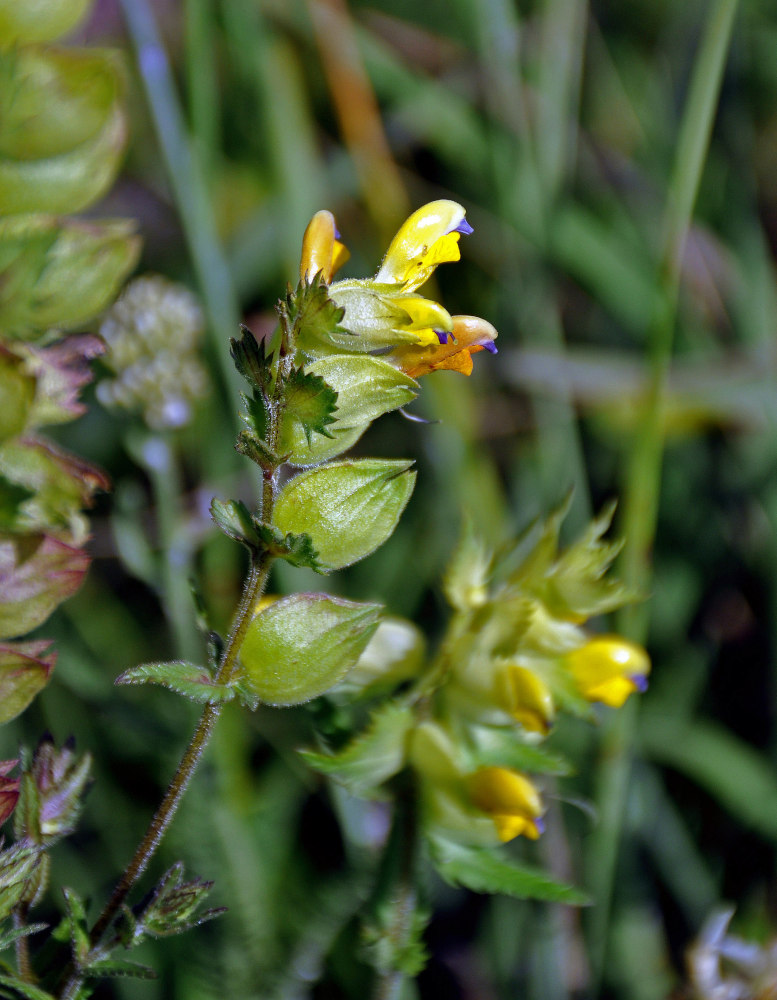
(624, 199)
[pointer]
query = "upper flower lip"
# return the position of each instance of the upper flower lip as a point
(427, 238)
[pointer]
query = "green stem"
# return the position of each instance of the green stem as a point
(22, 944)
(398, 884)
(183, 775)
(643, 475)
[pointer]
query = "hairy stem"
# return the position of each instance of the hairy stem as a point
(22, 944)
(399, 884)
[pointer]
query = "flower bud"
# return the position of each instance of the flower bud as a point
(526, 697)
(322, 252)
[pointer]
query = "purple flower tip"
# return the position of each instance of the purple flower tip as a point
(491, 347)
(539, 824)
(337, 234)
(442, 336)
(640, 682)
(464, 228)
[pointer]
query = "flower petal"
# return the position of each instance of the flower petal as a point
(428, 238)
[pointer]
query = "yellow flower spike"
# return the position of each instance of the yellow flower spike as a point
(609, 668)
(527, 698)
(469, 335)
(321, 249)
(510, 799)
(428, 238)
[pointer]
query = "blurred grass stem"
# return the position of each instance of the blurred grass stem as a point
(188, 184)
(160, 461)
(643, 473)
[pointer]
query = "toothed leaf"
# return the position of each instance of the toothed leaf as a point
(188, 679)
(234, 519)
(486, 870)
(295, 549)
(314, 320)
(255, 448)
(309, 402)
(251, 360)
(373, 757)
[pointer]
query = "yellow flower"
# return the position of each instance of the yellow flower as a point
(384, 312)
(608, 669)
(452, 352)
(492, 803)
(526, 697)
(510, 799)
(428, 238)
(322, 250)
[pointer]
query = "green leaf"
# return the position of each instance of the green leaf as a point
(252, 361)
(61, 370)
(366, 387)
(298, 452)
(349, 509)
(77, 926)
(60, 272)
(62, 128)
(234, 519)
(62, 484)
(468, 573)
(485, 870)
(36, 575)
(313, 320)
(188, 679)
(257, 414)
(295, 549)
(300, 646)
(18, 865)
(10, 936)
(309, 402)
(24, 989)
(39, 20)
(17, 390)
(174, 904)
(25, 669)
(373, 757)
(502, 747)
(255, 448)
(112, 968)
(12, 497)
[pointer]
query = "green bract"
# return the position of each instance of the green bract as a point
(366, 387)
(58, 155)
(24, 671)
(59, 272)
(347, 508)
(38, 573)
(34, 21)
(300, 646)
